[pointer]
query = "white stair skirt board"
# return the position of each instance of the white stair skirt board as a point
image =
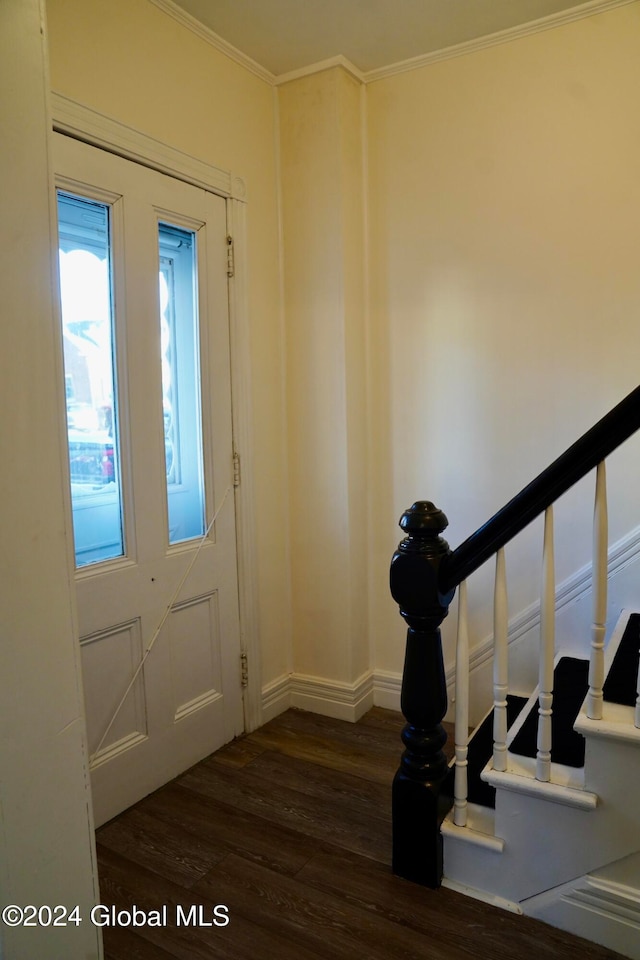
(482, 896)
(596, 907)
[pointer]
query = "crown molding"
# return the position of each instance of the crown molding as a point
(186, 20)
(318, 67)
(563, 17)
(554, 20)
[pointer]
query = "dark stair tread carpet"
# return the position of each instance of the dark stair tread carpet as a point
(570, 685)
(480, 750)
(621, 683)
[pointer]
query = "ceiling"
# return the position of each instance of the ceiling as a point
(287, 35)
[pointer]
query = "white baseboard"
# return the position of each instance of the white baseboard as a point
(382, 688)
(330, 698)
(387, 688)
(276, 697)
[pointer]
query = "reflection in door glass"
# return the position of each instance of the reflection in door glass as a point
(87, 326)
(179, 339)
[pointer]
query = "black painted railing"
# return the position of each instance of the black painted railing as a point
(424, 576)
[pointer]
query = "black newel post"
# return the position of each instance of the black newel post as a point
(417, 844)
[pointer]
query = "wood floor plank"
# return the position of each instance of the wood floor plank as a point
(326, 786)
(371, 751)
(238, 753)
(123, 943)
(390, 724)
(379, 730)
(429, 912)
(366, 831)
(273, 844)
(176, 854)
(359, 740)
(379, 717)
(328, 753)
(124, 885)
(319, 919)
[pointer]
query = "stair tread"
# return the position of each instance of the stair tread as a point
(570, 685)
(621, 683)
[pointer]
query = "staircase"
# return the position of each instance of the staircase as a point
(566, 850)
(540, 810)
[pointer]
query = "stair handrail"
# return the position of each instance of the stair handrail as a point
(424, 576)
(570, 467)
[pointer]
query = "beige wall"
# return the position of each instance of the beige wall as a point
(323, 220)
(504, 205)
(501, 202)
(130, 61)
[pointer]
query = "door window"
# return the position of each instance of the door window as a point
(89, 360)
(179, 344)
(90, 383)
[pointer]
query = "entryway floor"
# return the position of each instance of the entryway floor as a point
(286, 833)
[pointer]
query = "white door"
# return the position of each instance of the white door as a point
(147, 377)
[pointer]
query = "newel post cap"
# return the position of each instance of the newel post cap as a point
(415, 565)
(423, 519)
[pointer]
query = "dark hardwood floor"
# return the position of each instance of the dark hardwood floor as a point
(289, 829)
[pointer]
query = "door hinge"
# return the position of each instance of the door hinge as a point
(244, 670)
(236, 469)
(231, 267)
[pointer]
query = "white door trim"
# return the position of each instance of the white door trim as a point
(82, 123)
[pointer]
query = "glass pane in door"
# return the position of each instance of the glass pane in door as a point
(89, 348)
(180, 357)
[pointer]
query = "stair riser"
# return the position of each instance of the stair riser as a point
(612, 770)
(546, 844)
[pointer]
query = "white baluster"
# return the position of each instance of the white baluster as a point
(462, 711)
(547, 651)
(500, 665)
(600, 549)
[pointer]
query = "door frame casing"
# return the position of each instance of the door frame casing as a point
(82, 123)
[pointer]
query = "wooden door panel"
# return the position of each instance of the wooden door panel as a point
(175, 607)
